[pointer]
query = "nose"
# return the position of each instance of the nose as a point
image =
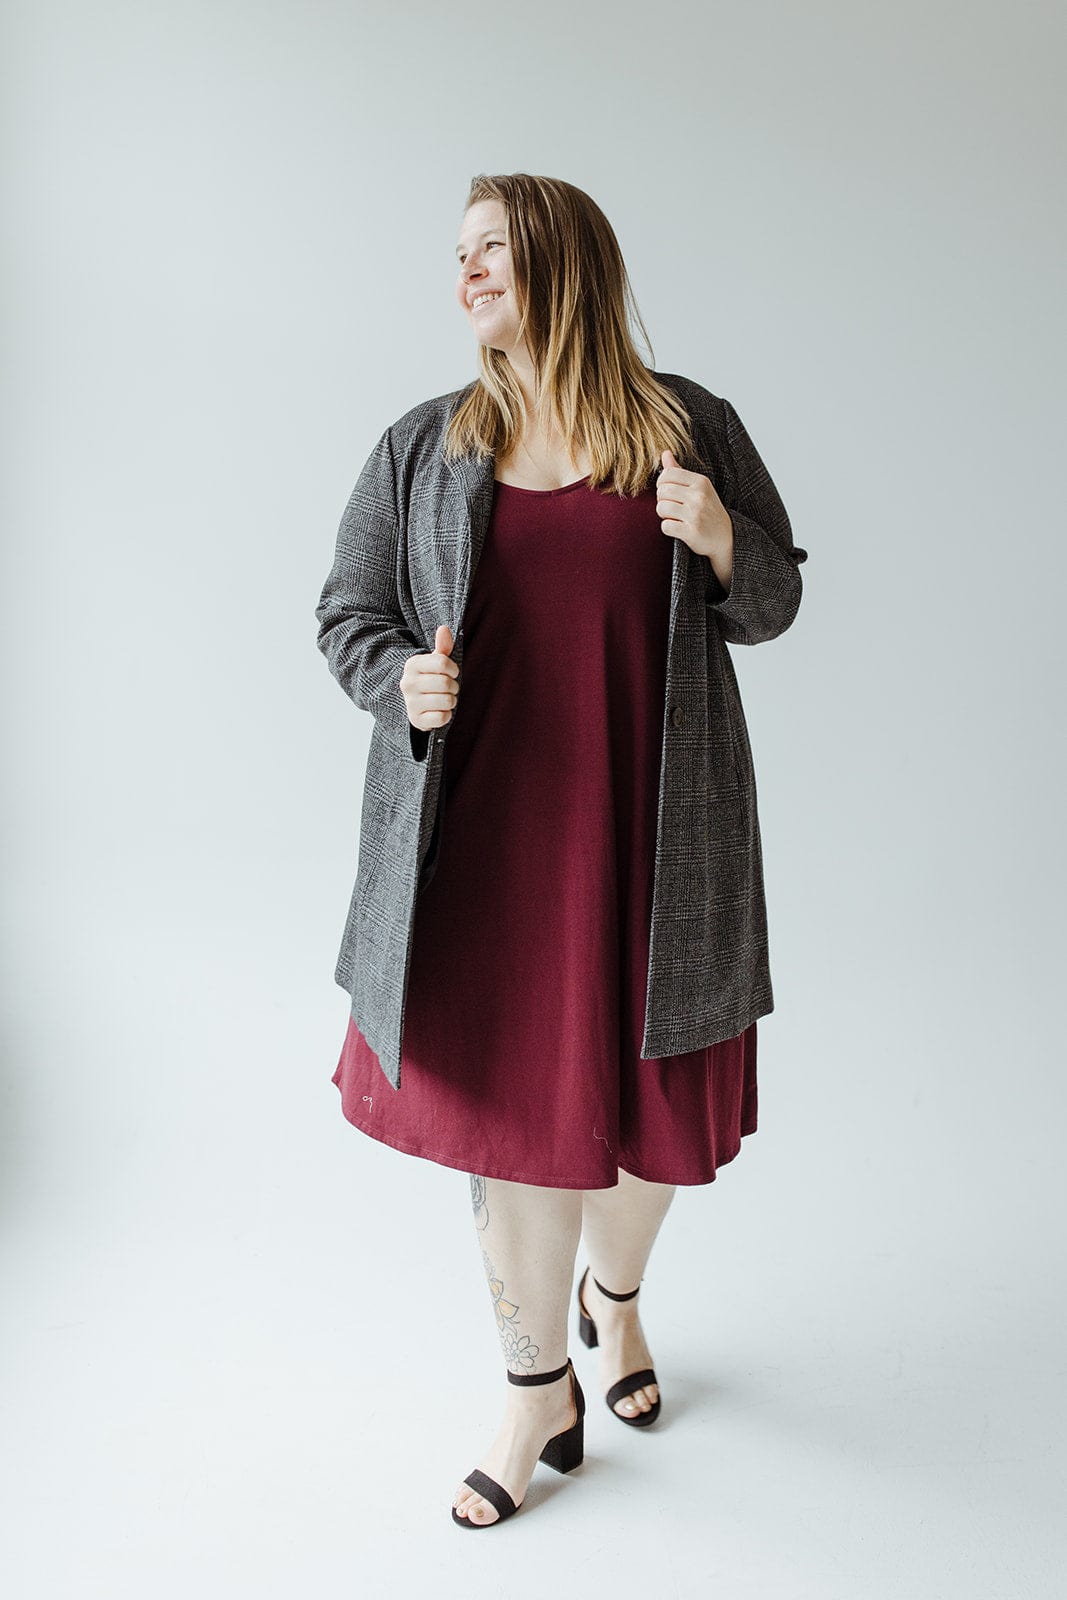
(470, 279)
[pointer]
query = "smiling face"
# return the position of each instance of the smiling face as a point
(485, 269)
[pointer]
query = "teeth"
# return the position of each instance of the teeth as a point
(481, 299)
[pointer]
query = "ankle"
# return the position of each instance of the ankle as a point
(538, 1391)
(609, 1304)
(526, 1397)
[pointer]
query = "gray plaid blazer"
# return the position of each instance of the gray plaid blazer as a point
(406, 551)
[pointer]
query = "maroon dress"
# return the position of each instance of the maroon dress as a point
(526, 991)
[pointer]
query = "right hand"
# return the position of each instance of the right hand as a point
(430, 683)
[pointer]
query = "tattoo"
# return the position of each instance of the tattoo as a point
(519, 1354)
(478, 1201)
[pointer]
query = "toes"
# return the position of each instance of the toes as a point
(473, 1506)
(640, 1400)
(481, 1510)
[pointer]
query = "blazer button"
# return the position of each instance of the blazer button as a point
(677, 716)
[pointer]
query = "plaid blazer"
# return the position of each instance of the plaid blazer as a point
(406, 551)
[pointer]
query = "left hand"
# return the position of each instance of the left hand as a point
(690, 509)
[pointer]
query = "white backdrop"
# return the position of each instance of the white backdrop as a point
(245, 1346)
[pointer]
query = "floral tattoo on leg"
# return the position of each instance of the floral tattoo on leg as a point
(519, 1353)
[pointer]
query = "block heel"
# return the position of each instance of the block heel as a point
(566, 1450)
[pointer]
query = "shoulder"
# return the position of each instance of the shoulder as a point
(709, 418)
(703, 406)
(427, 420)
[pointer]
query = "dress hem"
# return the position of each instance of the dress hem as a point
(542, 1183)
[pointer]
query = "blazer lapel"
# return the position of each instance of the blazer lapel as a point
(473, 481)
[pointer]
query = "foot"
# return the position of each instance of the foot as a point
(534, 1414)
(622, 1346)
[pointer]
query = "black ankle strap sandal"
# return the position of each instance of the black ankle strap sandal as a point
(564, 1451)
(633, 1380)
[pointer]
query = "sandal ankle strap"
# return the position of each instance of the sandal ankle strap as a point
(540, 1377)
(611, 1296)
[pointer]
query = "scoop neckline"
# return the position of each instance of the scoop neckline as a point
(563, 489)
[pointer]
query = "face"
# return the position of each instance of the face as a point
(484, 260)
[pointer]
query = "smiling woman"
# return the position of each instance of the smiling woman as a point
(536, 456)
(557, 948)
(485, 275)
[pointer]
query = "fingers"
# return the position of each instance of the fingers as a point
(435, 690)
(430, 685)
(430, 710)
(676, 475)
(437, 663)
(433, 671)
(443, 682)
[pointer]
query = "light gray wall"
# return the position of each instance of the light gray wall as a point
(229, 266)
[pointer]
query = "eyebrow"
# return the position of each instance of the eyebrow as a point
(484, 235)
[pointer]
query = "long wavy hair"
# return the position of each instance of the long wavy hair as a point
(573, 293)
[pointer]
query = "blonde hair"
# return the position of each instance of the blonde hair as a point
(572, 290)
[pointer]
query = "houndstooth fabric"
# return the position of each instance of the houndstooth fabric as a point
(407, 547)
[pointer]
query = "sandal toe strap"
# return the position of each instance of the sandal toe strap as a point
(625, 1386)
(492, 1491)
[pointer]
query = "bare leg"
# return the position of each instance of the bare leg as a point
(619, 1227)
(529, 1238)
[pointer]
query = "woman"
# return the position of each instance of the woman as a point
(574, 1005)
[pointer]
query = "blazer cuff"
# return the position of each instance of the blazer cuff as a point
(390, 709)
(765, 586)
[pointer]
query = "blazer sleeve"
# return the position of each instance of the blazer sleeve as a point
(765, 586)
(362, 630)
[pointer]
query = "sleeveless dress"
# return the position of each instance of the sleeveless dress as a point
(526, 991)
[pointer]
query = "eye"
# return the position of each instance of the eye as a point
(489, 242)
